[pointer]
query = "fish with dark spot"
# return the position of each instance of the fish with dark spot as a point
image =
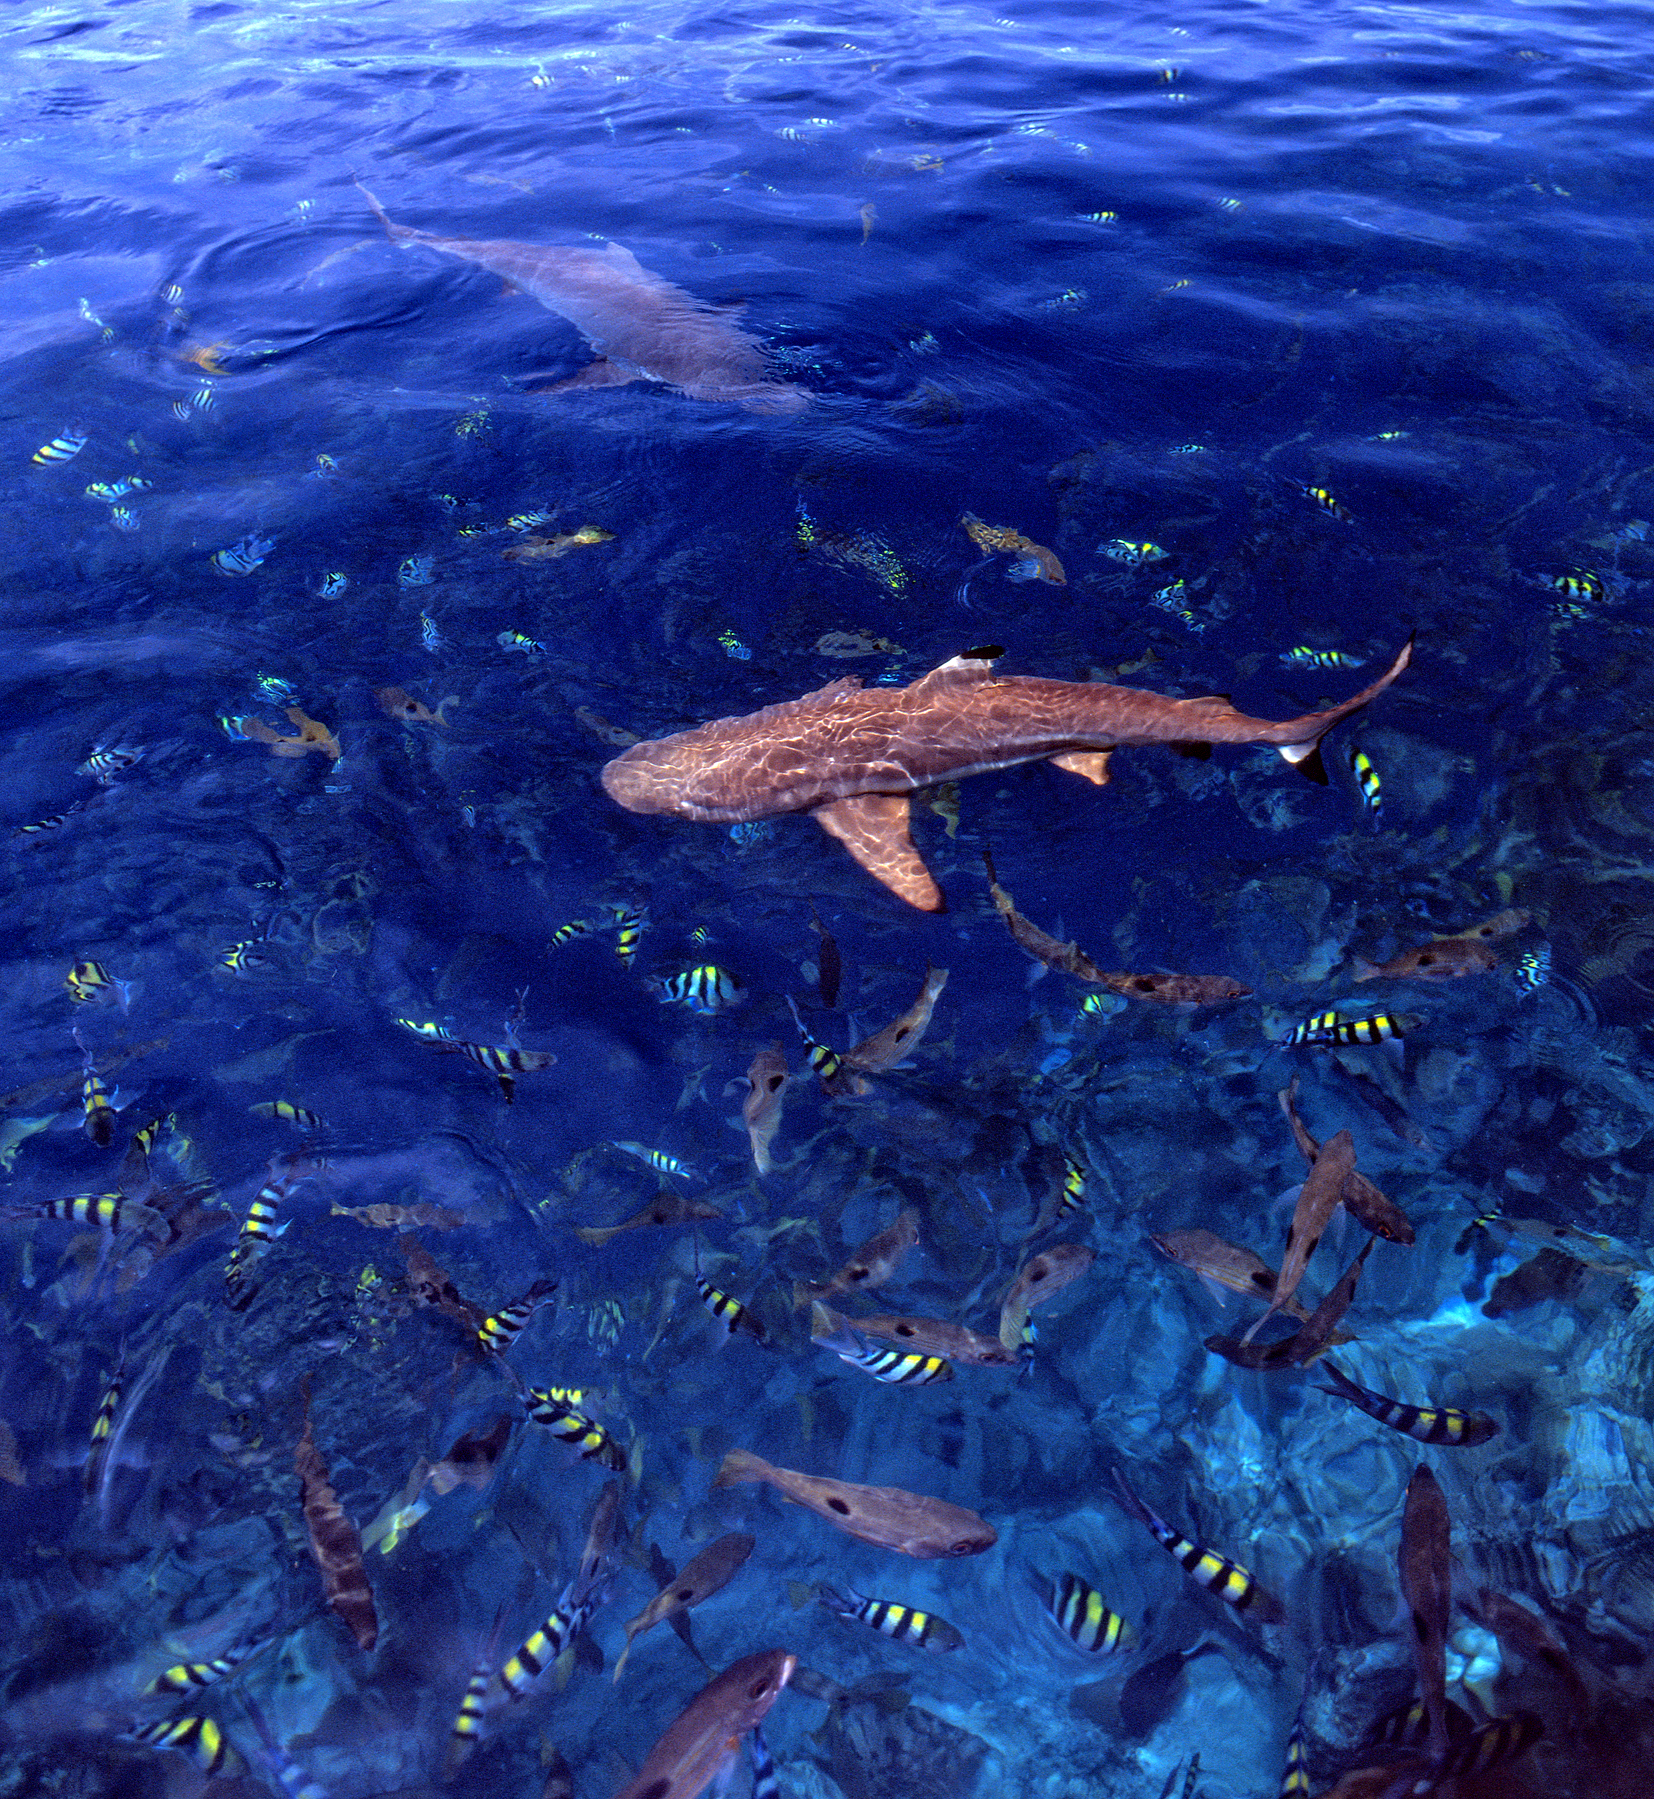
(852, 757)
(1426, 1589)
(704, 1736)
(886, 1517)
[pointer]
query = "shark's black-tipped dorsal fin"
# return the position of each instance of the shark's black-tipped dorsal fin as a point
(957, 669)
(873, 827)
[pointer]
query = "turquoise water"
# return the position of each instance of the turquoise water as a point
(1347, 314)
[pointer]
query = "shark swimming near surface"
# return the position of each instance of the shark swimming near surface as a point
(852, 756)
(642, 327)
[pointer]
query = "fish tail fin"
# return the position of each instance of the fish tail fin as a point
(1305, 753)
(621, 1663)
(1342, 1386)
(834, 1599)
(378, 211)
(595, 1235)
(831, 1331)
(741, 1465)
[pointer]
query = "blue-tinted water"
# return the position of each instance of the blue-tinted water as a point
(1099, 277)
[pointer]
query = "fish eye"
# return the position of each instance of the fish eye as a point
(860, 1274)
(838, 1505)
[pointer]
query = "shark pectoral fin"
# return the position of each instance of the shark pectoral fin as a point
(601, 373)
(873, 827)
(1089, 765)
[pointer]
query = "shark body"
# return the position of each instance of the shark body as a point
(852, 755)
(642, 327)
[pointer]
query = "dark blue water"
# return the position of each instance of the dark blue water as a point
(1348, 313)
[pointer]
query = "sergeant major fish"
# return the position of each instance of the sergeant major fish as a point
(854, 756)
(898, 1367)
(1227, 1579)
(1442, 1425)
(1085, 1619)
(890, 1618)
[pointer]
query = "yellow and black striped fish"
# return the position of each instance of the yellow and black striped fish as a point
(244, 958)
(1295, 1780)
(708, 989)
(258, 1231)
(1367, 782)
(289, 1113)
(629, 923)
(567, 933)
(427, 1033)
(198, 1738)
(1495, 1743)
(1580, 584)
(1079, 1609)
(1228, 1580)
(99, 1110)
(728, 1311)
(897, 1367)
(1443, 1425)
(1073, 1190)
(502, 1061)
(827, 1063)
(186, 1677)
(555, 1408)
(1325, 501)
(1408, 1726)
(496, 1334)
(466, 1730)
(904, 1623)
(91, 980)
(103, 1424)
(106, 1211)
(544, 1645)
(63, 448)
(105, 762)
(1329, 1028)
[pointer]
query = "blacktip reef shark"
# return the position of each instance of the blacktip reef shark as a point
(641, 326)
(852, 755)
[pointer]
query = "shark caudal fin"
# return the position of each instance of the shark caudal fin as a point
(1305, 753)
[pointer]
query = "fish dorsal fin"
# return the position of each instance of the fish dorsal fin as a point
(623, 258)
(1090, 765)
(957, 669)
(873, 827)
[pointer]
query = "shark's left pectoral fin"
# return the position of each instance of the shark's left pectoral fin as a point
(1090, 765)
(601, 373)
(873, 827)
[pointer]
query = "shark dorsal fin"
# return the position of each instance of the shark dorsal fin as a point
(957, 669)
(873, 827)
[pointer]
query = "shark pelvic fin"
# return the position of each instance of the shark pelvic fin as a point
(1306, 758)
(873, 827)
(1089, 765)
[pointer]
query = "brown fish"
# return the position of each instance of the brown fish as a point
(1548, 1275)
(1001, 539)
(312, 736)
(871, 1265)
(431, 1285)
(601, 1536)
(396, 703)
(334, 1540)
(549, 549)
(1225, 1263)
(1442, 959)
(703, 1738)
(665, 1208)
(852, 756)
(1533, 1638)
(900, 1038)
(1163, 989)
(1042, 1278)
(761, 1109)
(384, 1216)
(1426, 1588)
(933, 1336)
(1362, 1200)
(641, 326)
(886, 1517)
(713, 1569)
(1318, 1199)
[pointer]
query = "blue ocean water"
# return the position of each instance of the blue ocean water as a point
(1284, 333)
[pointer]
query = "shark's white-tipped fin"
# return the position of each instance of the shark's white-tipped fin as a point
(874, 828)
